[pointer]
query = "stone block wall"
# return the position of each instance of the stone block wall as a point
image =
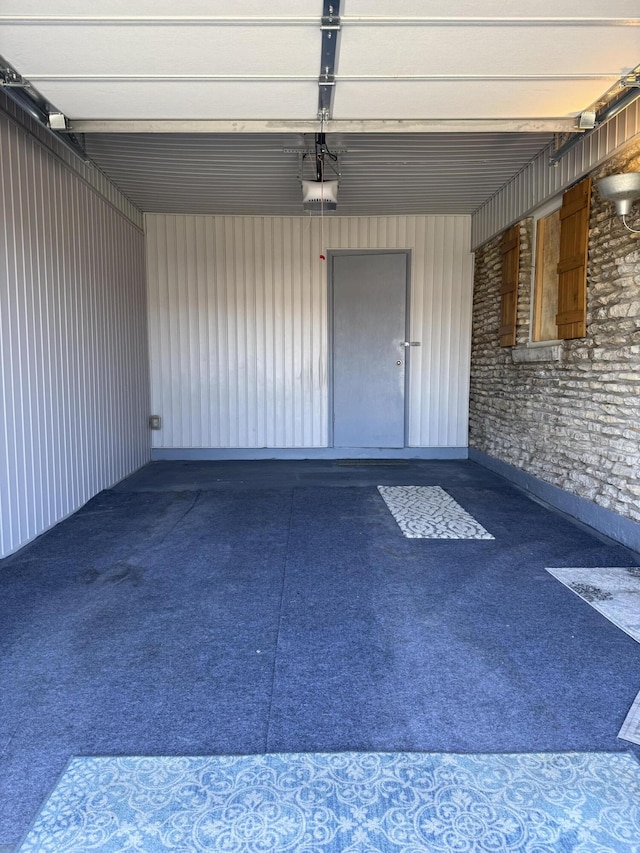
(574, 421)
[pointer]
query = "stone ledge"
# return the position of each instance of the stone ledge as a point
(527, 354)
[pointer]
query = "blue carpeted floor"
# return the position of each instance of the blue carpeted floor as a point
(235, 608)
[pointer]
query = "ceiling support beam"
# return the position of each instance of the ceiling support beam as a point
(326, 78)
(330, 29)
(308, 20)
(495, 125)
(630, 93)
(29, 99)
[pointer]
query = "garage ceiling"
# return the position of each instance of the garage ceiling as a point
(203, 106)
(382, 174)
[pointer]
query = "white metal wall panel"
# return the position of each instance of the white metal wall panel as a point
(539, 181)
(73, 342)
(238, 326)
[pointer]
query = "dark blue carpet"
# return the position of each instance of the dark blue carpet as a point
(210, 608)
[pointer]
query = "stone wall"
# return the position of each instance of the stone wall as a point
(573, 422)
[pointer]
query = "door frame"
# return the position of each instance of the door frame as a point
(331, 254)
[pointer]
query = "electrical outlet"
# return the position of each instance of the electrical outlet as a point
(155, 422)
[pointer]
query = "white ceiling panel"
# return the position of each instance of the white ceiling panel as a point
(109, 59)
(349, 8)
(167, 8)
(43, 50)
(491, 8)
(487, 50)
(466, 99)
(105, 99)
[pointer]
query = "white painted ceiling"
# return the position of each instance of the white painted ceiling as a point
(404, 69)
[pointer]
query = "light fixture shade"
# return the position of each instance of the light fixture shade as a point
(623, 190)
(587, 120)
(57, 121)
(320, 196)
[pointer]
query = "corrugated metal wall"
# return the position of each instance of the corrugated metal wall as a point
(247, 174)
(87, 171)
(238, 326)
(73, 343)
(539, 181)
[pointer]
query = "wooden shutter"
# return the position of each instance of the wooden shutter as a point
(510, 250)
(572, 264)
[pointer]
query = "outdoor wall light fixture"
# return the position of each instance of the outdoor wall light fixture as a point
(623, 190)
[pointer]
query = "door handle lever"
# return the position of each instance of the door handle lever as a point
(410, 344)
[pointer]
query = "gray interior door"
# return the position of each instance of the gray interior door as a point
(369, 322)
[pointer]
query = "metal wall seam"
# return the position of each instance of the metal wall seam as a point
(238, 326)
(74, 370)
(539, 181)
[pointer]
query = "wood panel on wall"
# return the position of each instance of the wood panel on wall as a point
(545, 291)
(571, 318)
(510, 251)
(73, 341)
(238, 326)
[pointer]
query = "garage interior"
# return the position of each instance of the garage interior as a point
(199, 402)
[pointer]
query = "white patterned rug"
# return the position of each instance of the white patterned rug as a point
(615, 593)
(428, 512)
(631, 727)
(344, 803)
